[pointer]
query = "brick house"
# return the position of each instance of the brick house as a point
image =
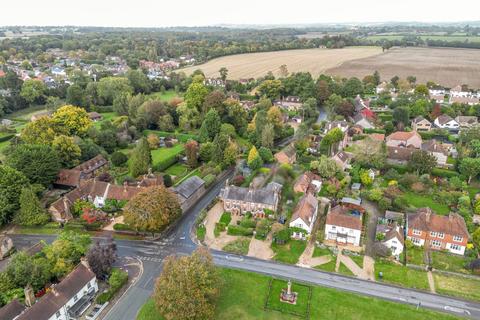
(425, 228)
(287, 155)
(308, 182)
(87, 170)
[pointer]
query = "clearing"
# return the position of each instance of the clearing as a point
(243, 297)
(254, 65)
(446, 66)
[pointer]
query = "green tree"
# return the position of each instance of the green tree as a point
(206, 151)
(141, 159)
(331, 139)
(352, 88)
(268, 135)
(139, 81)
(152, 210)
(24, 269)
(195, 96)
(39, 163)
(220, 143)
(223, 73)
(470, 167)
(33, 91)
(476, 238)
(266, 154)
(401, 115)
(11, 184)
(254, 160)
(422, 90)
(230, 155)
(41, 131)
(31, 212)
(76, 96)
(422, 161)
(191, 151)
(121, 103)
(210, 126)
(327, 167)
(109, 87)
(119, 158)
(187, 279)
(270, 88)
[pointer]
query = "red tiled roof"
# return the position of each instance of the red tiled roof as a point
(402, 135)
(426, 220)
(338, 216)
(68, 177)
(305, 209)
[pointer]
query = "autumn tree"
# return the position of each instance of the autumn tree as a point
(268, 135)
(254, 160)
(31, 211)
(152, 210)
(370, 153)
(72, 121)
(188, 287)
(141, 159)
(230, 155)
(40, 131)
(153, 141)
(66, 148)
(191, 151)
(39, 163)
(326, 167)
(101, 257)
(195, 95)
(322, 91)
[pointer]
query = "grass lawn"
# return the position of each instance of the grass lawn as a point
(165, 96)
(107, 116)
(415, 256)
(239, 246)
(161, 153)
(290, 252)
(177, 169)
(448, 262)
(243, 296)
(329, 266)
(182, 137)
(318, 252)
(201, 232)
(401, 275)
(344, 270)
(300, 309)
(358, 260)
(457, 286)
(420, 201)
(27, 113)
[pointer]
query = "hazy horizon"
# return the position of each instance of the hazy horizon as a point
(142, 14)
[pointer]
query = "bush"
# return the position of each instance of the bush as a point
(444, 173)
(118, 278)
(266, 154)
(226, 218)
(209, 179)
(282, 236)
(373, 130)
(262, 229)
(119, 158)
(239, 231)
(121, 227)
(167, 180)
(219, 227)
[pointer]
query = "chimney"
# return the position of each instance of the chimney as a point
(54, 290)
(450, 217)
(428, 214)
(84, 261)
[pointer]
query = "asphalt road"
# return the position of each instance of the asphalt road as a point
(178, 241)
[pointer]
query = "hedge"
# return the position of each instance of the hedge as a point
(117, 280)
(209, 179)
(7, 137)
(248, 223)
(373, 130)
(239, 231)
(226, 218)
(165, 163)
(444, 173)
(121, 227)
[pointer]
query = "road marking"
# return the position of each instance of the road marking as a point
(457, 310)
(151, 259)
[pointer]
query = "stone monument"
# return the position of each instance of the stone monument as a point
(287, 295)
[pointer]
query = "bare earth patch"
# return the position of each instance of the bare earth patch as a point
(254, 65)
(446, 66)
(261, 248)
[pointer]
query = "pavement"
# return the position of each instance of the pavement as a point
(179, 241)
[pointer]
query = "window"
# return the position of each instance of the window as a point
(457, 238)
(334, 228)
(75, 298)
(417, 232)
(416, 241)
(455, 247)
(436, 243)
(89, 285)
(441, 235)
(433, 234)
(57, 314)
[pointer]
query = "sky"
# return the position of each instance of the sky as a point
(160, 13)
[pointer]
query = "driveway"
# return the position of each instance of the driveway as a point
(373, 214)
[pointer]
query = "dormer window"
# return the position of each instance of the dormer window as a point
(457, 238)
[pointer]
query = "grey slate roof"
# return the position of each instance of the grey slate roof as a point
(189, 186)
(265, 195)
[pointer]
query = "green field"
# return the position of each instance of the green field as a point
(107, 116)
(161, 153)
(244, 294)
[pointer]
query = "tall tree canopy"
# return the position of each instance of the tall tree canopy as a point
(141, 159)
(11, 184)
